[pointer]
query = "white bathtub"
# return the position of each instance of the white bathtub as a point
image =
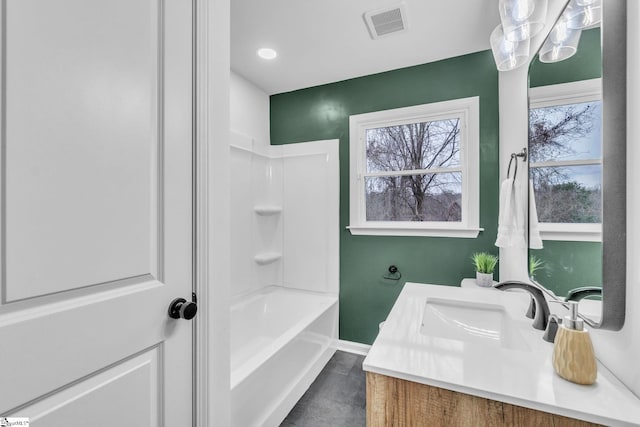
(280, 341)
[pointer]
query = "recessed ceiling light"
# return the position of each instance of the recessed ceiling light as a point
(267, 53)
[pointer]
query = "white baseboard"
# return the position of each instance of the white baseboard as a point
(353, 347)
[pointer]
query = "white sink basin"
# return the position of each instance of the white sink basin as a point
(473, 322)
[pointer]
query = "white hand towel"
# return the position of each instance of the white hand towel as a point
(520, 201)
(535, 242)
(512, 219)
(506, 219)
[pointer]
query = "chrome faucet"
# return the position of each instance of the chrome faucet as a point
(578, 293)
(573, 295)
(541, 312)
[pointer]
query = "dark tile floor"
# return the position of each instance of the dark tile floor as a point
(336, 398)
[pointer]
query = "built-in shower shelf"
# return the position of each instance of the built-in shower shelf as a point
(267, 258)
(267, 210)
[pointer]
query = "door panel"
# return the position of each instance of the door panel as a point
(57, 344)
(96, 218)
(105, 395)
(81, 144)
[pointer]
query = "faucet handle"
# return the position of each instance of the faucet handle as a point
(531, 311)
(552, 328)
(541, 310)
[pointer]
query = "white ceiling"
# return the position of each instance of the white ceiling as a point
(324, 41)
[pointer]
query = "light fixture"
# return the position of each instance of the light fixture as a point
(583, 13)
(519, 10)
(522, 19)
(562, 42)
(508, 54)
(267, 53)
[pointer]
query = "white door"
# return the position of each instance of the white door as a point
(96, 211)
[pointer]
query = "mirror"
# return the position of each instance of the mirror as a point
(577, 163)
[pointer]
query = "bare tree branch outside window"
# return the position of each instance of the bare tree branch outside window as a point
(432, 193)
(565, 141)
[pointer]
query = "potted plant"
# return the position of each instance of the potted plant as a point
(535, 264)
(484, 264)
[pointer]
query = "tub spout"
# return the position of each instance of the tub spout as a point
(541, 316)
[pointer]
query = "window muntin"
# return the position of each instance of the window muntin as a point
(565, 146)
(414, 170)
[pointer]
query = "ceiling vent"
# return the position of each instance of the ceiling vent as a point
(382, 22)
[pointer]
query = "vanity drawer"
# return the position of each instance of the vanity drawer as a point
(395, 402)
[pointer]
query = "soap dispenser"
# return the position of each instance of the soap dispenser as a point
(573, 355)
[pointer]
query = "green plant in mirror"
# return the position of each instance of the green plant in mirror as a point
(535, 264)
(484, 262)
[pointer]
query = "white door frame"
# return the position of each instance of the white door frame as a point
(211, 234)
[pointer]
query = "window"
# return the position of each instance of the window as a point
(566, 159)
(414, 170)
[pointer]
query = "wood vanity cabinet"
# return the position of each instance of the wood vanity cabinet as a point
(392, 402)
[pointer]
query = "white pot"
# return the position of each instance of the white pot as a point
(484, 280)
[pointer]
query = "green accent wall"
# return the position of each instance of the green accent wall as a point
(585, 64)
(570, 265)
(323, 112)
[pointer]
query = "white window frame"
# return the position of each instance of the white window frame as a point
(562, 94)
(468, 111)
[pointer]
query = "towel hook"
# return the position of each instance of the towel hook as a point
(514, 156)
(515, 172)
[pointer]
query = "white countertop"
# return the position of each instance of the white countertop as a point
(520, 377)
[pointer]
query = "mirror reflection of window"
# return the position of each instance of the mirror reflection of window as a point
(565, 148)
(566, 162)
(566, 167)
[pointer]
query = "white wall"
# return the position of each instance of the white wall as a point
(311, 216)
(249, 110)
(514, 128)
(619, 351)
